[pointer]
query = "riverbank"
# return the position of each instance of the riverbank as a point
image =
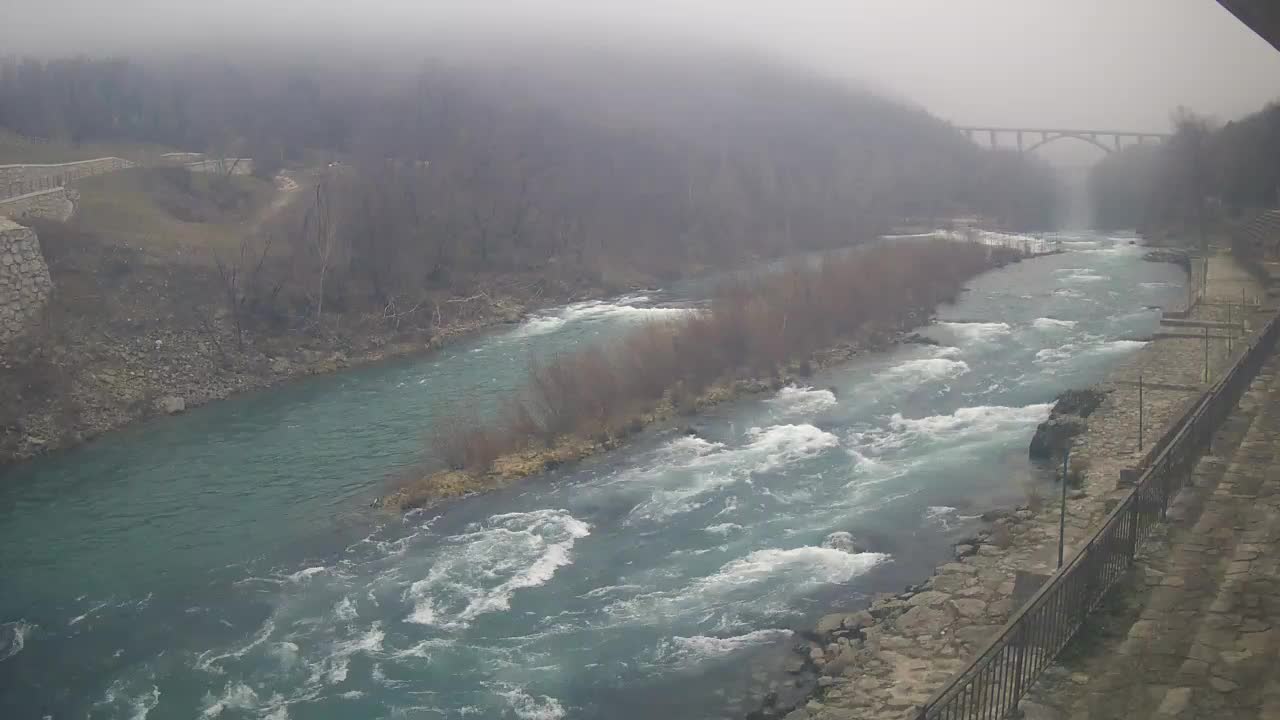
(886, 660)
(668, 572)
(96, 377)
(758, 334)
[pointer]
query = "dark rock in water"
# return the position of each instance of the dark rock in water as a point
(691, 431)
(918, 339)
(1065, 422)
(1169, 255)
(843, 542)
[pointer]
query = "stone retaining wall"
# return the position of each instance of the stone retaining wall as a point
(24, 279)
(224, 166)
(56, 204)
(26, 179)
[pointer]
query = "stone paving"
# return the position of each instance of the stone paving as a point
(888, 660)
(1195, 632)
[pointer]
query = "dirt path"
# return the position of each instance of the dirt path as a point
(288, 190)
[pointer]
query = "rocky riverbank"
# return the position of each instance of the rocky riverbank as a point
(83, 382)
(886, 660)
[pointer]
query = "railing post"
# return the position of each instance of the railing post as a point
(1140, 412)
(1062, 508)
(1019, 662)
(1133, 527)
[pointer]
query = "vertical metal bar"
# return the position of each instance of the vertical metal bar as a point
(1005, 684)
(1206, 355)
(1140, 418)
(1062, 514)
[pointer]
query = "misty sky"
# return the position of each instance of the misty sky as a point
(1120, 64)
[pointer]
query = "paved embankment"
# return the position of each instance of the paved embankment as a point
(1193, 632)
(887, 661)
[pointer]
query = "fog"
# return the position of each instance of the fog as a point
(1087, 63)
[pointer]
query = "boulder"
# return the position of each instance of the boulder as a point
(1169, 255)
(171, 405)
(843, 542)
(837, 623)
(918, 339)
(1054, 435)
(1078, 402)
(926, 620)
(1065, 421)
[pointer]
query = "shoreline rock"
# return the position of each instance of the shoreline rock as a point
(1066, 421)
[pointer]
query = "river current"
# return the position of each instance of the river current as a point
(224, 563)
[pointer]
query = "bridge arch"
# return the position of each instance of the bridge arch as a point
(1105, 140)
(1076, 136)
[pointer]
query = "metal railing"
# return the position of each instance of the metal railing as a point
(993, 683)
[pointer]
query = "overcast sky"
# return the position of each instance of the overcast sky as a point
(1121, 64)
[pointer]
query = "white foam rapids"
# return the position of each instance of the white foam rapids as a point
(477, 572)
(805, 401)
(686, 472)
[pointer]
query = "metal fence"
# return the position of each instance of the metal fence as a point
(991, 686)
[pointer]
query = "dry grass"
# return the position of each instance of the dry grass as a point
(141, 208)
(753, 328)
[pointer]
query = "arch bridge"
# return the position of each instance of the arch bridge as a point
(1028, 139)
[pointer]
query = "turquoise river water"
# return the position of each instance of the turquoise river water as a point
(224, 563)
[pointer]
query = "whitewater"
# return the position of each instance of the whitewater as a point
(224, 563)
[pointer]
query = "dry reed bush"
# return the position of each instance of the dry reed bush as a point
(753, 327)
(1035, 497)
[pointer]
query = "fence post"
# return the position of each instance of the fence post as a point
(1134, 517)
(1140, 418)
(1062, 509)
(1206, 355)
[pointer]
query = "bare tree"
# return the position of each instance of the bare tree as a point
(1189, 148)
(239, 279)
(319, 232)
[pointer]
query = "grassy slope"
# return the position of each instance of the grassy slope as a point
(131, 208)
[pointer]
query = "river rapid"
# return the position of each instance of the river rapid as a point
(223, 563)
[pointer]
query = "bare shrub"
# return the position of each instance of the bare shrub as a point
(1000, 536)
(1035, 498)
(1077, 473)
(757, 325)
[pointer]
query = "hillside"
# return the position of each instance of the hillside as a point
(425, 203)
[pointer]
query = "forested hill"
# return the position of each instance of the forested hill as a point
(1224, 171)
(717, 151)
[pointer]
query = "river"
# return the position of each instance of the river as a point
(223, 563)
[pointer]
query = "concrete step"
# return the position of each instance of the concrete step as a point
(1182, 322)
